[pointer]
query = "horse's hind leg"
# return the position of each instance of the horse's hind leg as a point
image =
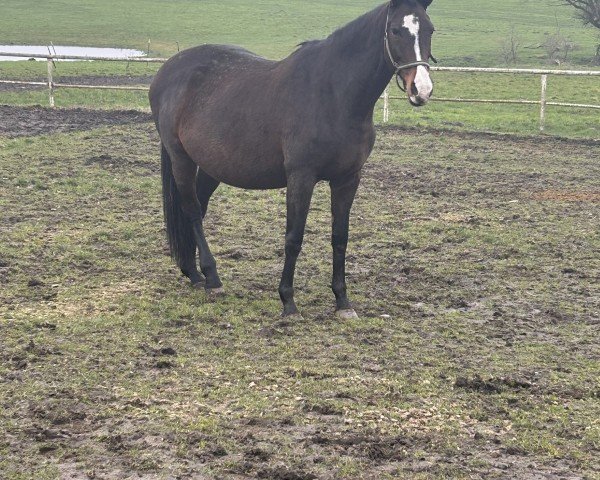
(205, 187)
(191, 202)
(180, 235)
(189, 269)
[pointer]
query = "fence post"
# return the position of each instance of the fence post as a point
(543, 102)
(386, 104)
(50, 81)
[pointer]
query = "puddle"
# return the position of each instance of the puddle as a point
(64, 50)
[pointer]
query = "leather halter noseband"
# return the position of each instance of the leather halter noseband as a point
(399, 67)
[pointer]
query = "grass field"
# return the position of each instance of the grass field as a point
(474, 271)
(473, 263)
(465, 36)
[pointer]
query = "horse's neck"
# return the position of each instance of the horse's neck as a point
(359, 68)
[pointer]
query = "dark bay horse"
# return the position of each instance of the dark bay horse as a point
(227, 115)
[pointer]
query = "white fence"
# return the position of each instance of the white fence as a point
(542, 102)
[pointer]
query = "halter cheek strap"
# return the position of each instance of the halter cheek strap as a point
(399, 67)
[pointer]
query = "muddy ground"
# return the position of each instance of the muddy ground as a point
(474, 263)
(32, 121)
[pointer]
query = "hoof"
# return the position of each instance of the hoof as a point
(215, 292)
(346, 314)
(198, 285)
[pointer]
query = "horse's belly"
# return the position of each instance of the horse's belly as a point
(234, 144)
(243, 170)
(249, 176)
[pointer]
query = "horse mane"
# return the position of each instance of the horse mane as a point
(348, 32)
(307, 43)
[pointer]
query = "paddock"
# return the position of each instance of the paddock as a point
(473, 262)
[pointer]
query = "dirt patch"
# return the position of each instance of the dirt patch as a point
(121, 164)
(565, 196)
(32, 121)
(491, 385)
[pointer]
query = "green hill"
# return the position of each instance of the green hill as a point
(468, 32)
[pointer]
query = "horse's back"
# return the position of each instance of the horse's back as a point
(199, 69)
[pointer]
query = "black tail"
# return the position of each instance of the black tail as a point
(179, 228)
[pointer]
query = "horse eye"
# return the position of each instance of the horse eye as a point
(395, 31)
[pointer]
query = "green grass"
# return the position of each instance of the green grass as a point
(471, 263)
(466, 34)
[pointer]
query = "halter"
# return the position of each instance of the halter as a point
(397, 66)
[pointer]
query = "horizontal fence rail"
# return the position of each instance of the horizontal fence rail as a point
(519, 71)
(528, 71)
(52, 85)
(544, 73)
(84, 57)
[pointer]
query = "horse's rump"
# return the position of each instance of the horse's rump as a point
(228, 123)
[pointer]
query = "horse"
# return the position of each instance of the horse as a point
(225, 114)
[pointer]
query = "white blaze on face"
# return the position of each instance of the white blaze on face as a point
(422, 80)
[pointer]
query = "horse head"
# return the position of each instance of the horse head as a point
(408, 45)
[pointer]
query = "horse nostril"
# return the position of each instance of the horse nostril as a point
(414, 89)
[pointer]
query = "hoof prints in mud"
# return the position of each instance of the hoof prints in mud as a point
(282, 473)
(492, 385)
(373, 447)
(33, 121)
(122, 163)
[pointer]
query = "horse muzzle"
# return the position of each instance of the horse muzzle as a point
(420, 87)
(417, 101)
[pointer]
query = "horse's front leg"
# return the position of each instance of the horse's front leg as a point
(342, 197)
(300, 188)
